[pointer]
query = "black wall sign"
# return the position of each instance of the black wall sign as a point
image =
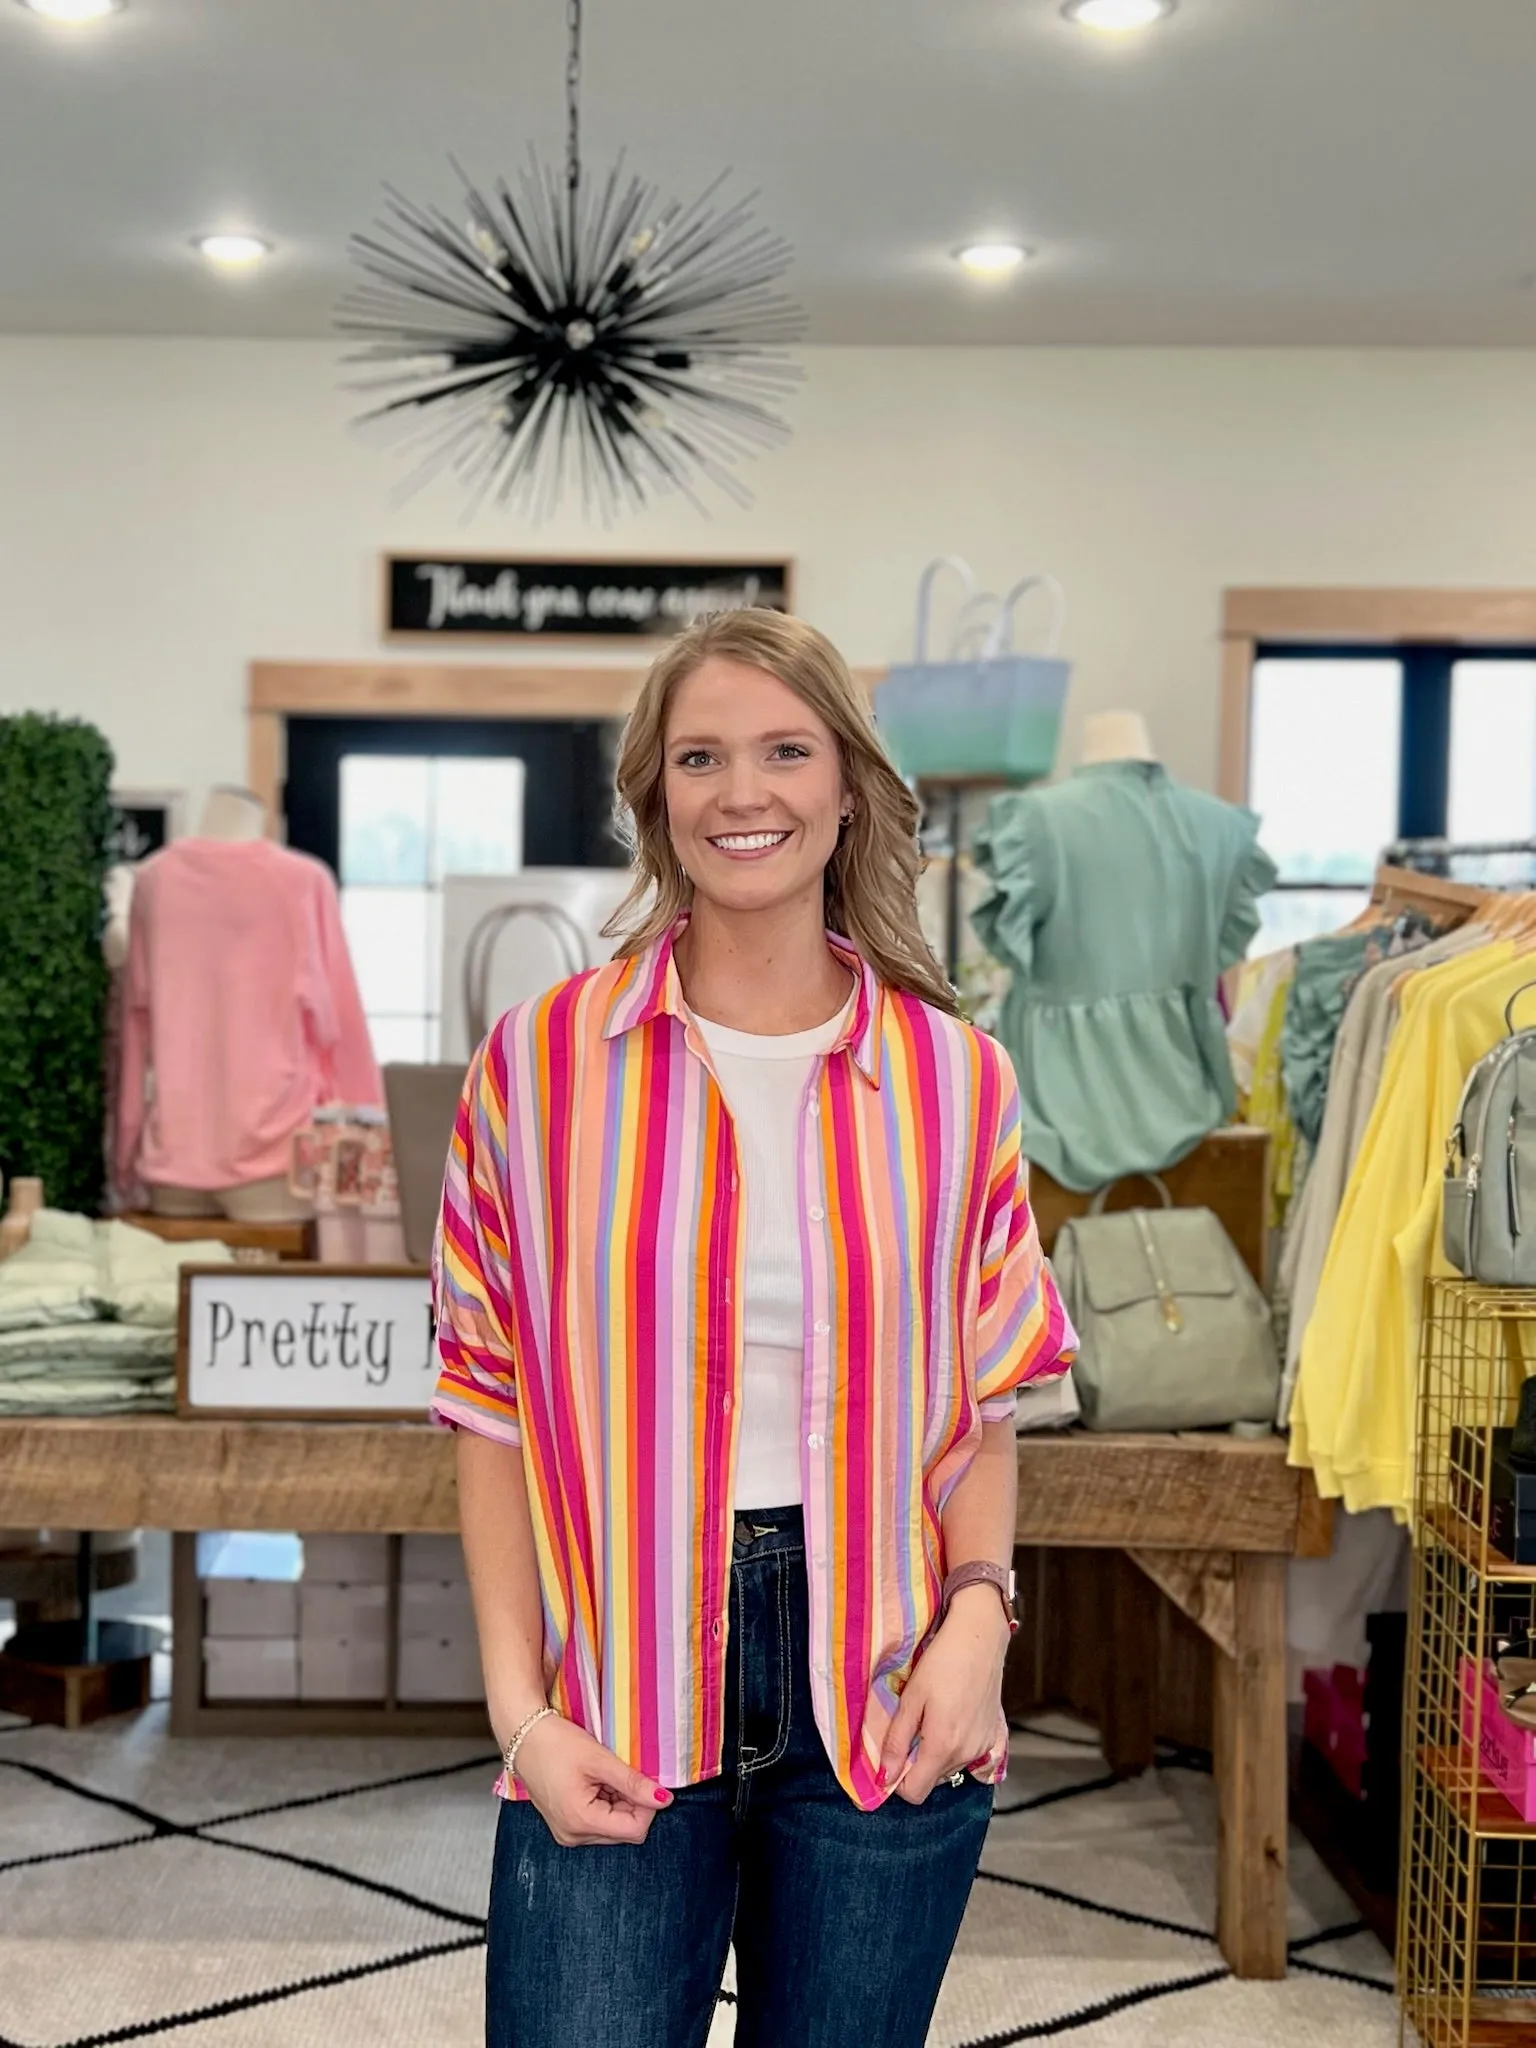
(141, 825)
(544, 600)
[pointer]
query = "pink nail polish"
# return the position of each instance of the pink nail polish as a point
(663, 1797)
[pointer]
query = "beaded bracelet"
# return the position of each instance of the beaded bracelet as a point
(509, 1754)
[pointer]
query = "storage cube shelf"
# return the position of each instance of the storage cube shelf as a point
(1466, 1951)
(357, 1612)
(376, 1637)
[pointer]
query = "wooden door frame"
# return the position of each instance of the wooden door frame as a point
(1323, 617)
(280, 690)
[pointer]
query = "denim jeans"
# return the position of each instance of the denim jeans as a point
(843, 1921)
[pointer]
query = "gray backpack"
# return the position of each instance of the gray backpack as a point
(1490, 1166)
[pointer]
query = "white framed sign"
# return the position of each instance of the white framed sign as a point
(326, 1343)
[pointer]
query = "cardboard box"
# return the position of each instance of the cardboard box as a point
(440, 1607)
(253, 1668)
(347, 1560)
(360, 1613)
(444, 1669)
(250, 1608)
(431, 1558)
(341, 1668)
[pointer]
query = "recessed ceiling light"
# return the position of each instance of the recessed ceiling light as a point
(992, 259)
(74, 10)
(1117, 17)
(232, 252)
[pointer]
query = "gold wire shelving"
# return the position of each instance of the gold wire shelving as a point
(1466, 1939)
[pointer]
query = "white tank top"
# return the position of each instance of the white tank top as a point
(764, 1081)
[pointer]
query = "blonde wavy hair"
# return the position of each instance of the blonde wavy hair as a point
(871, 879)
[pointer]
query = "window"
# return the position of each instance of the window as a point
(1352, 748)
(1328, 805)
(406, 822)
(1492, 792)
(393, 805)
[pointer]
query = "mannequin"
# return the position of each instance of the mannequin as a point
(1118, 898)
(233, 815)
(118, 891)
(1116, 736)
(229, 813)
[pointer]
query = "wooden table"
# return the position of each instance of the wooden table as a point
(1209, 1519)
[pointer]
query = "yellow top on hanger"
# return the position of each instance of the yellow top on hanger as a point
(1352, 1420)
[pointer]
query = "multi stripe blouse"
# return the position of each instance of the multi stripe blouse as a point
(588, 1286)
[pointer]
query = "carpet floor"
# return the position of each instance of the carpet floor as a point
(300, 1894)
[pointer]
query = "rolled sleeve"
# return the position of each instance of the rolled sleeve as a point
(472, 1285)
(1023, 1333)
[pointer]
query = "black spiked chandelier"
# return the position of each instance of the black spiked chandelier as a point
(560, 335)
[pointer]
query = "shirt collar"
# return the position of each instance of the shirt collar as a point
(650, 988)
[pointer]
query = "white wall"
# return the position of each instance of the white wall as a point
(171, 509)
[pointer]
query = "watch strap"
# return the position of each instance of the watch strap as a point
(982, 1572)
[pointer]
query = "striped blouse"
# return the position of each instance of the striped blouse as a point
(588, 1287)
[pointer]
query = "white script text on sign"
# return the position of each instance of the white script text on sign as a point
(305, 1340)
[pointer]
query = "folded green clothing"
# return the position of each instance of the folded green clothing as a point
(140, 1274)
(53, 1277)
(96, 1346)
(46, 1396)
(72, 1270)
(63, 1372)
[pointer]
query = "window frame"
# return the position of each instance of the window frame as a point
(1428, 631)
(1298, 619)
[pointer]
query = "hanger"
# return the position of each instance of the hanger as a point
(1448, 903)
(1513, 917)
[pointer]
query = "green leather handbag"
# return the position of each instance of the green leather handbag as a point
(1173, 1330)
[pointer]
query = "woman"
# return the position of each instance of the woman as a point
(737, 1280)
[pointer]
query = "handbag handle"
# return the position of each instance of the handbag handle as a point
(1096, 1206)
(1509, 1008)
(977, 604)
(925, 584)
(1001, 639)
(975, 624)
(482, 945)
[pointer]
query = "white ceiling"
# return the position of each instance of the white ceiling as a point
(1271, 171)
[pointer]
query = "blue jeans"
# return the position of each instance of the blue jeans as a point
(843, 1921)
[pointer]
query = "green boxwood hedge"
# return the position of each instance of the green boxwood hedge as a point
(55, 830)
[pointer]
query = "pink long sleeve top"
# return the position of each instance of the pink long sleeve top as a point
(241, 1014)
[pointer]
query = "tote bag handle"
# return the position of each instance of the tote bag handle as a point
(1001, 639)
(977, 606)
(925, 584)
(1096, 1206)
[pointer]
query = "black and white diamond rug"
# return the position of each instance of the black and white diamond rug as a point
(300, 1894)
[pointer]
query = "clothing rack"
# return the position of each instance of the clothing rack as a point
(1413, 874)
(1406, 852)
(943, 797)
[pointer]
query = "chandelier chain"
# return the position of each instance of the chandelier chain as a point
(573, 98)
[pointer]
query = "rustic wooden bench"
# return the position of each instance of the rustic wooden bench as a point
(1209, 1519)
